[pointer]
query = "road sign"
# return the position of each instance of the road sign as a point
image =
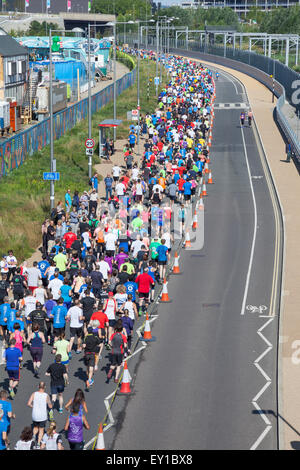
(51, 176)
(89, 152)
(134, 114)
(156, 80)
(89, 143)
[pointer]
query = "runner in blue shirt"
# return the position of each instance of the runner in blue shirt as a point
(5, 409)
(187, 191)
(3, 434)
(10, 325)
(132, 139)
(4, 314)
(131, 288)
(59, 314)
(12, 357)
(162, 259)
(43, 266)
(11, 315)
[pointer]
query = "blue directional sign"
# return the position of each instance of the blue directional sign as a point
(51, 176)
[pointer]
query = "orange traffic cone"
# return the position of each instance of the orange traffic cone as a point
(206, 170)
(125, 387)
(209, 181)
(201, 205)
(195, 221)
(165, 295)
(147, 336)
(204, 192)
(100, 439)
(209, 141)
(176, 269)
(187, 243)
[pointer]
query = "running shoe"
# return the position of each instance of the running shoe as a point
(70, 355)
(51, 417)
(78, 351)
(60, 411)
(109, 374)
(140, 312)
(12, 393)
(96, 368)
(91, 382)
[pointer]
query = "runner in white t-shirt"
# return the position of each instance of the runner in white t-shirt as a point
(75, 315)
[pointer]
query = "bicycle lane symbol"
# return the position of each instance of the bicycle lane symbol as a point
(254, 309)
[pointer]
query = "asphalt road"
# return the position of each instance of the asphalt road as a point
(209, 381)
(194, 386)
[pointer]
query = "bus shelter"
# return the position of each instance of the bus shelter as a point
(104, 131)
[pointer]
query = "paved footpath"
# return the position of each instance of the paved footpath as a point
(286, 179)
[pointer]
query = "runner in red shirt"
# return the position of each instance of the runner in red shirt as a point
(152, 159)
(160, 146)
(118, 342)
(101, 317)
(69, 238)
(144, 282)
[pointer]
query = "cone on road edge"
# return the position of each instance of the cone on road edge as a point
(165, 295)
(204, 192)
(187, 242)
(100, 438)
(210, 181)
(147, 336)
(201, 205)
(176, 269)
(195, 221)
(125, 387)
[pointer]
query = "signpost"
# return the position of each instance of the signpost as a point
(89, 146)
(134, 114)
(89, 143)
(51, 176)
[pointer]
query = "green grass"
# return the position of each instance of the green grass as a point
(24, 196)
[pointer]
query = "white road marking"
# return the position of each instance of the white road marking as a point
(265, 387)
(254, 229)
(261, 438)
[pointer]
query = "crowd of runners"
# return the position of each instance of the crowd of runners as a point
(101, 262)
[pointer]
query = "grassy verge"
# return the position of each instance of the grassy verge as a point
(24, 196)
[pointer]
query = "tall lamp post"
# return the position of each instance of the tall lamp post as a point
(52, 159)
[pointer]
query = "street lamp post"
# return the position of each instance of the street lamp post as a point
(138, 88)
(90, 164)
(157, 46)
(51, 121)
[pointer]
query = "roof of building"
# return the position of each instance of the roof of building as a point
(9, 47)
